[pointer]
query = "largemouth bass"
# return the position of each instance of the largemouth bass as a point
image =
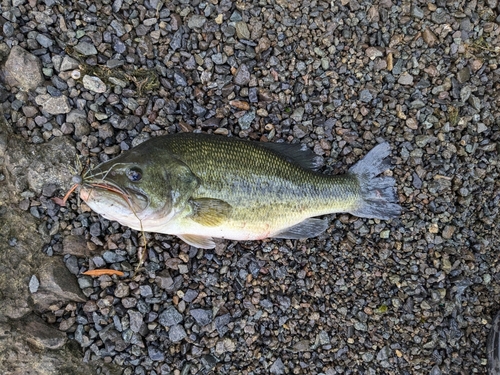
(199, 187)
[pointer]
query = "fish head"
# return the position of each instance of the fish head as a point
(131, 189)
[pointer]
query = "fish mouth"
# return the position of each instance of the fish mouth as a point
(135, 200)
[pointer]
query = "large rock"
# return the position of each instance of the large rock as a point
(23, 70)
(29, 280)
(29, 167)
(30, 346)
(56, 284)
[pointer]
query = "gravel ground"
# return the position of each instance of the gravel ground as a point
(414, 295)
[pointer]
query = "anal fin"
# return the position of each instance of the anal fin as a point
(305, 229)
(197, 241)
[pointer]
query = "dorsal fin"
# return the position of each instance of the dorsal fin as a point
(296, 153)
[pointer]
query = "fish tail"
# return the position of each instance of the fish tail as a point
(378, 194)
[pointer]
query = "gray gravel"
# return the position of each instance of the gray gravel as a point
(414, 295)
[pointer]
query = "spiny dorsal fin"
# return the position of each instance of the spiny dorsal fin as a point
(305, 229)
(296, 153)
(210, 212)
(197, 241)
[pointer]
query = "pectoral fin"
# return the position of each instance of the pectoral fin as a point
(308, 228)
(197, 241)
(210, 212)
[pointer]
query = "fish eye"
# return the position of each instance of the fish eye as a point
(134, 174)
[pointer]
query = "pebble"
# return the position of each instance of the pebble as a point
(246, 120)
(8, 29)
(196, 21)
(242, 31)
(297, 114)
(448, 231)
(44, 41)
(417, 12)
(463, 75)
(202, 317)
(373, 53)
(429, 37)
(465, 93)
(177, 333)
(365, 96)
(439, 16)
(156, 354)
(405, 79)
(53, 105)
(136, 320)
(118, 27)
(176, 41)
(94, 84)
(240, 104)
(146, 291)
(122, 290)
(170, 317)
(112, 257)
(475, 102)
(86, 48)
(72, 265)
(242, 75)
(23, 69)
(34, 284)
(278, 367)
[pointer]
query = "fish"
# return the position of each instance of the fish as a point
(200, 187)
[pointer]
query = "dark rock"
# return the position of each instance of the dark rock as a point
(122, 290)
(277, 367)
(179, 78)
(75, 245)
(365, 96)
(196, 21)
(112, 257)
(176, 333)
(85, 48)
(176, 41)
(242, 75)
(72, 265)
(190, 295)
(202, 317)
(156, 354)
(221, 323)
(170, 317)
(136, 320)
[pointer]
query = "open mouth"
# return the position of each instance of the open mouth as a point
(136, 201)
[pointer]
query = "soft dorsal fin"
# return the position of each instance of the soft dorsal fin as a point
(197, 241)
(305, 229)
(296, 153)
(210, 212)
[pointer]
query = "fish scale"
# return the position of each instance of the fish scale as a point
(237, 171)
(200, 186)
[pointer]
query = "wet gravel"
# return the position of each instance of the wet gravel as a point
(414, 295)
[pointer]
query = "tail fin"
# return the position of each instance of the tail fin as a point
(379, 200)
